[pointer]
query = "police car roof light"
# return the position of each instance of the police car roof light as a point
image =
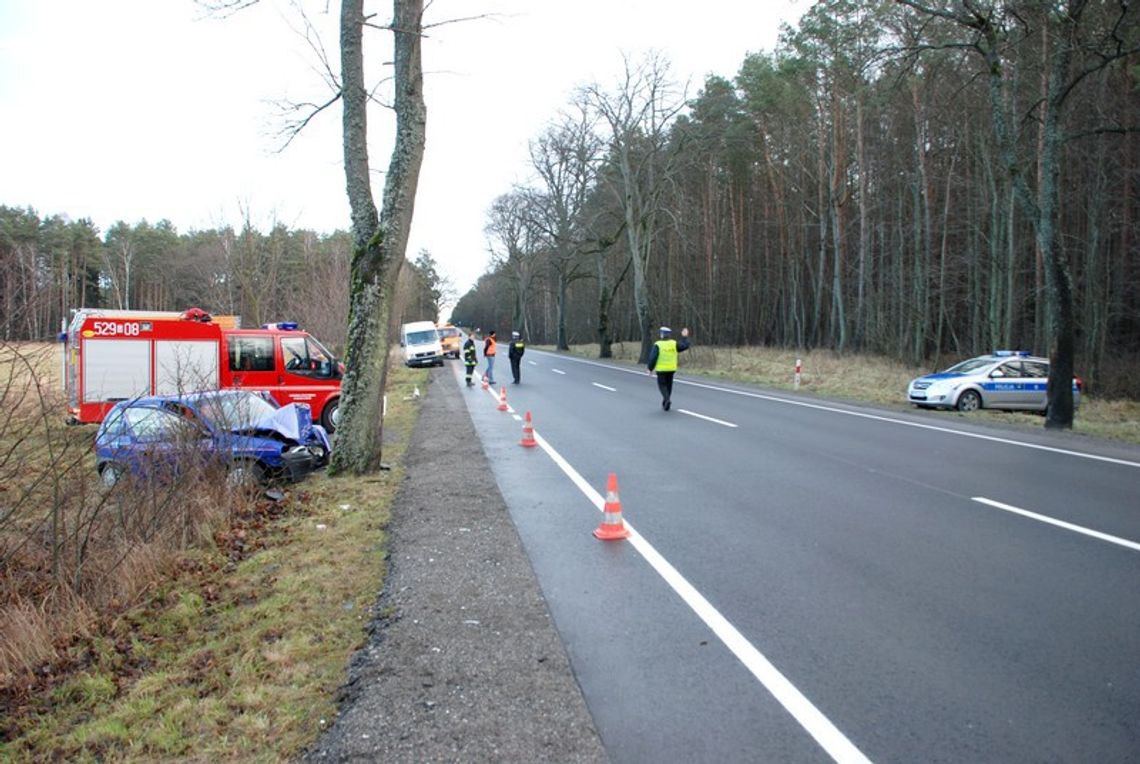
(1018, 353)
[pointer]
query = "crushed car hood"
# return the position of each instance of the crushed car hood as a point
(292, 421)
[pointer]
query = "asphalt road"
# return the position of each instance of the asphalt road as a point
(811, 581)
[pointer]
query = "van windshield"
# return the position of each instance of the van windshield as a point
(422, 338)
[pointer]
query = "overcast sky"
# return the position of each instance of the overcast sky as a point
(144, 109)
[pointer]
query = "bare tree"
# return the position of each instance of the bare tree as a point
(515, 242)
(565, 157)
(638, 115)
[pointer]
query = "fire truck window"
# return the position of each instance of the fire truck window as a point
(250, 353)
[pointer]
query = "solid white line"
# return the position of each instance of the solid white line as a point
(605, 387)
(1060, 523)
(826, 734)
(707, 418)
(558, 371)
(875, 417)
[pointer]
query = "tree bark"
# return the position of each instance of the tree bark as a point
(379, 242)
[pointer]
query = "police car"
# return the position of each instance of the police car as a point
(1007, 379)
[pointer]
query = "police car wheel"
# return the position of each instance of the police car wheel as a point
(969, 401)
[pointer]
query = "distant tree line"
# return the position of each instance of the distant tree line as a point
(925, 180)
(52, 265)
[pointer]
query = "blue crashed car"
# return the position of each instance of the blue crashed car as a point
(1007, 379)
(250, 437)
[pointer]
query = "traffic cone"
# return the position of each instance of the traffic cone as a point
(612, 528)
(528, 440)
(502, 399)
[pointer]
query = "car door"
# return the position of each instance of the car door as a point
(1034, 384)
(1003, 388)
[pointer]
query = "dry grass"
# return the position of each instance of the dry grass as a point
(870, 379)
(226, 645)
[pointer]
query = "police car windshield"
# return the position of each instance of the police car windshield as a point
(974, 364)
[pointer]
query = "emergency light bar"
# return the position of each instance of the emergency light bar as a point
(285, 326)
(1018, 353)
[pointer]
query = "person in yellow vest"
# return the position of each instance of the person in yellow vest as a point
(515, 352)
(663, 360)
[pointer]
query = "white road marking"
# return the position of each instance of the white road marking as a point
(533, 363)
(558, 371)
(826, 734)
(707, 418)
(605, 387)
(875, 417)
(1060, 523)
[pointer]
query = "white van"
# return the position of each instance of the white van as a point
(420, 341)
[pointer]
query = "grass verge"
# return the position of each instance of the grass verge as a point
(868, 379)
(239, 655)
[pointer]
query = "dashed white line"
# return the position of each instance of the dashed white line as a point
(558, 371)
(605, 387)
(875, 417)
(707, 418)
(1059, 523)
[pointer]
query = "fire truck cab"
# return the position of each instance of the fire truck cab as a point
(112, 355)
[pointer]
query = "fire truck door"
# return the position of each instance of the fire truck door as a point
(251, 362)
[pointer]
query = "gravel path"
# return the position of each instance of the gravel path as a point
(463, 663)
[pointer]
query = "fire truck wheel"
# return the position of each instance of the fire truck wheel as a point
(245, 475)
(110, 474)
(330, 417)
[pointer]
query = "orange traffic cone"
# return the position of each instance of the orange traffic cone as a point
(486, 385)
(528, 440)
(502, 399)
(612, 528)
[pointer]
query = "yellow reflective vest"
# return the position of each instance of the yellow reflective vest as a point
(666, 355)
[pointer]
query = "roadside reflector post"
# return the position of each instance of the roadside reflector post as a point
(799, 369)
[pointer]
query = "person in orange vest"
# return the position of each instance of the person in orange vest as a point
(489, 356)
(663, 360)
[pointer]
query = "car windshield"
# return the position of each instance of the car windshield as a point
(449, 332)
(230, 412)
(965, 367)
(422, 338)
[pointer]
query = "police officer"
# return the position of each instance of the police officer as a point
(663, 360)
(515, 353)
(469, 358)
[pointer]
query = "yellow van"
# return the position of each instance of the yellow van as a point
(449, 338)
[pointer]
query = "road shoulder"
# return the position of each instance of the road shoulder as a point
(463, 661)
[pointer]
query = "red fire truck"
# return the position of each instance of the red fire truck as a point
(114, 355)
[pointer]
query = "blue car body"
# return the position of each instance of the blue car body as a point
(162, 436)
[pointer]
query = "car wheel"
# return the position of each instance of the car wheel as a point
(110, 474)
(969, 401)
(245, 475)
(330, 417)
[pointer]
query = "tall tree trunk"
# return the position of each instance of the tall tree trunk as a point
(379, 242)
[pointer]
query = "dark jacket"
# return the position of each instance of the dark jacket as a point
(469, 351)
(516, 350)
